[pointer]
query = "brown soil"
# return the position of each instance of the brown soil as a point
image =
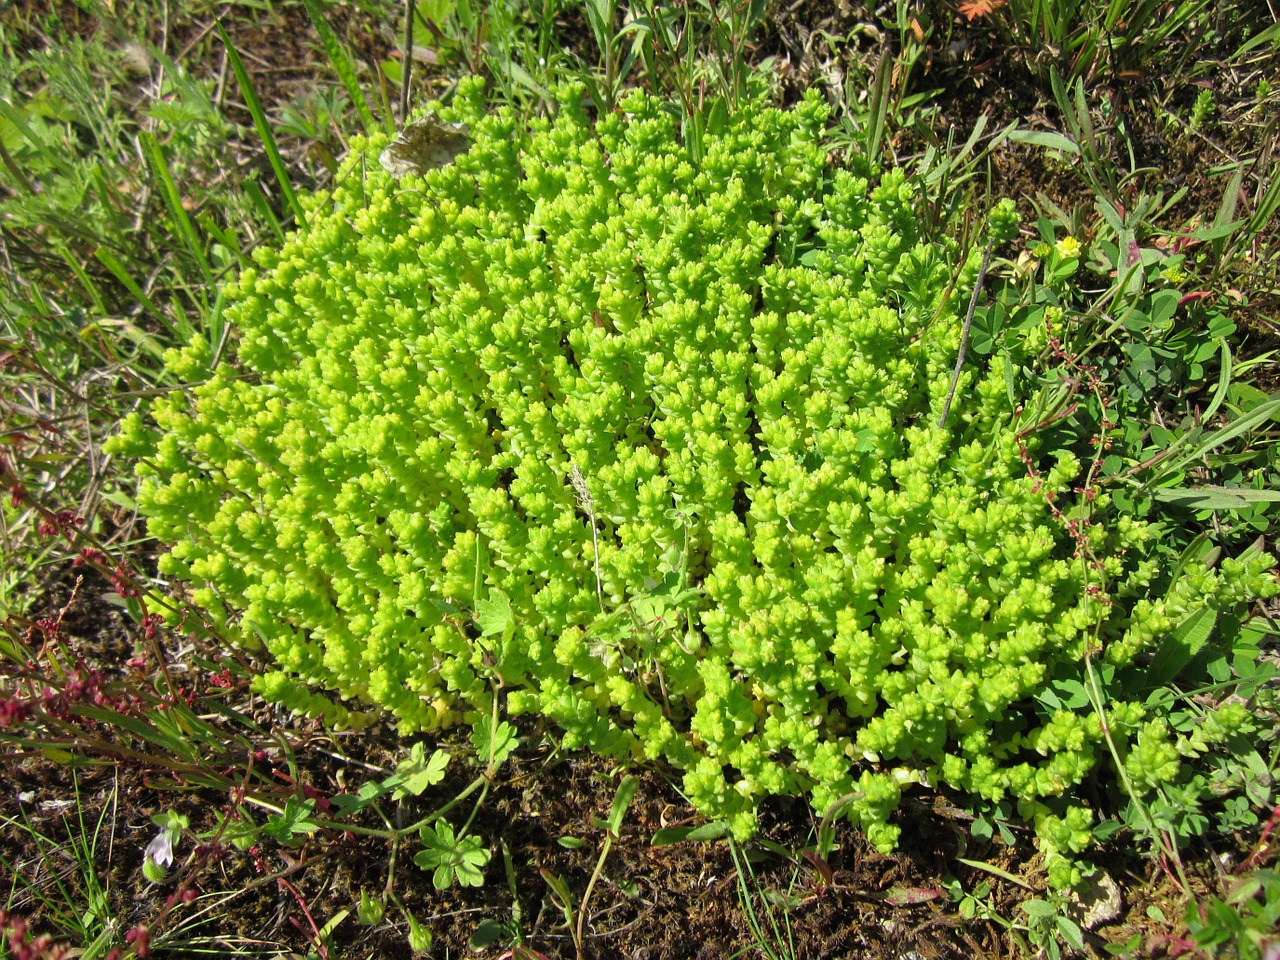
(673, 901)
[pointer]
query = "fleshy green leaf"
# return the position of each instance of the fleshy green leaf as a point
(715, 830)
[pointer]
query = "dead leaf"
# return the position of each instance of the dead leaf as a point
(423, 145)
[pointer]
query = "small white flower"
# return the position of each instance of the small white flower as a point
(160, 849)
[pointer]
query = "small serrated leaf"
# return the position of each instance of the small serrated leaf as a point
(417, 772)
(450, 856)
(493, 747)
(494, 616)
(293, 820)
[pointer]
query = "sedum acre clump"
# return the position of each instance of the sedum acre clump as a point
(650, 447)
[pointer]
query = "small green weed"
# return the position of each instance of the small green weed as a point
(1044, 927)
(767, 912)
(1203, 109)
(576, 919)
(65, 882)
(1241, 924)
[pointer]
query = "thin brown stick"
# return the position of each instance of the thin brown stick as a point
(964, 332)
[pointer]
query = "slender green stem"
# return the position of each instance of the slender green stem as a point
(397, 833)
(964, 332)
(14, 170)
(586, 896)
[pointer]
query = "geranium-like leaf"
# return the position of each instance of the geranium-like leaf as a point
(450, 857)
(493, 746)
(418, 771)
(294, 820)
(494, 616)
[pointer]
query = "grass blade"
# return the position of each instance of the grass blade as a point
(263, 209)
(1269, 409)
(996, 872)
(1210, 497)
(341, 64)
(878, 108)
(1266, 411)
(1224, 380)
(1269, 35)
(118, 270)
(260, 124)
(160, 168)
(87, 283)
(1180, 647)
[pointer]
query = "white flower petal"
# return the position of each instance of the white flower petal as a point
(160, 849)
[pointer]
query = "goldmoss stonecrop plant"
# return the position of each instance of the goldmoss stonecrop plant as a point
(654, 447)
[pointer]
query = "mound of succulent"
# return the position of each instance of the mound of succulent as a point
(646, 441)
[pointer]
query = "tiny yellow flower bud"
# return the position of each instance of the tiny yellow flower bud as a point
(1069, 247)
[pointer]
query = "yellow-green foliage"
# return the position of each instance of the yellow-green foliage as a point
(651, 446)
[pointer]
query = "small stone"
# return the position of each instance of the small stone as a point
(1097, 901)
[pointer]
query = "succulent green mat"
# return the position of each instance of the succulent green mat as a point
(650, 447)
